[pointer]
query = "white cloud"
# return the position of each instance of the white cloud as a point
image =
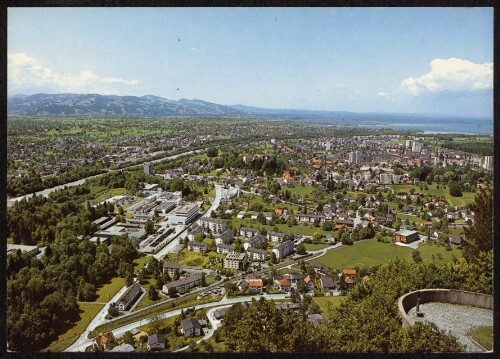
(386, 96)
(26, 74)
(451, 75)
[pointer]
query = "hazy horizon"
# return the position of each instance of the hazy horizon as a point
(368, 60)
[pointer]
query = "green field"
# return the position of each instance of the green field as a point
(468, 197)
(140, 262)
(300, 191)
(409, 218)
(369, 253)
(108, 290)
(484, 336)
(315, 247)
(328, 303)
(89, 311)
(108, 194)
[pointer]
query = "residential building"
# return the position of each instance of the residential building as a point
(124, 348)
(283, 284)
(276, 237)
(255, 254)
(156, 342)
(214, 224)
(252, 241)
(187, 281)
(191, 327)
(224, 248)
(235, 260)
(102, 341)
(171, 268)
(319, 268)
(248, 232)
(225, 238)
(456, 239)
(197, 246)
(127, 298)
(405, 236)
(327, 283)
(348, 277)
(315, 319)
(255, 285)
(283, 250)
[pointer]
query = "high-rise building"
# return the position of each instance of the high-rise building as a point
(488, 163)
(408, 144)
(328, 145)
(148, 168)
(355, 157)
(416, 147)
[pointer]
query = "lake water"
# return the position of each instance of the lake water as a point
(425, 124)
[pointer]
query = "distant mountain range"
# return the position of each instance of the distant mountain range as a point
(154, 106)
(91, 104)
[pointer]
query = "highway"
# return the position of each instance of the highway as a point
(46, 192)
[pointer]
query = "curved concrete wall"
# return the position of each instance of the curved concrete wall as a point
(408, 301)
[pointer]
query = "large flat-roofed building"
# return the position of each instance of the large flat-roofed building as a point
(215, 225)
(235, 260)
(126, 300)
(189, 281)
(405, 236)
(31, 250)
(184, 214)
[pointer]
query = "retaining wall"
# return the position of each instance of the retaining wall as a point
(408, 301)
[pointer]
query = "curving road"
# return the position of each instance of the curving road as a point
(81, 344)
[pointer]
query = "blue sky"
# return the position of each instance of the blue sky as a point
(414, 60)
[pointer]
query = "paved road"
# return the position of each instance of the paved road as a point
(100, 317)
(98, 320)
(46, 192)
(80, 345)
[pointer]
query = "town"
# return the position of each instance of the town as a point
(294, 219)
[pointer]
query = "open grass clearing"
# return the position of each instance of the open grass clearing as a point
(88, 312)
(467, 197)
(369, 253)
(328, 303)
(483, 335)
(108, 290)
(140, 262)
(409, 218)
(315, 247)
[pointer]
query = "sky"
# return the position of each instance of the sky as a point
(411, 60)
